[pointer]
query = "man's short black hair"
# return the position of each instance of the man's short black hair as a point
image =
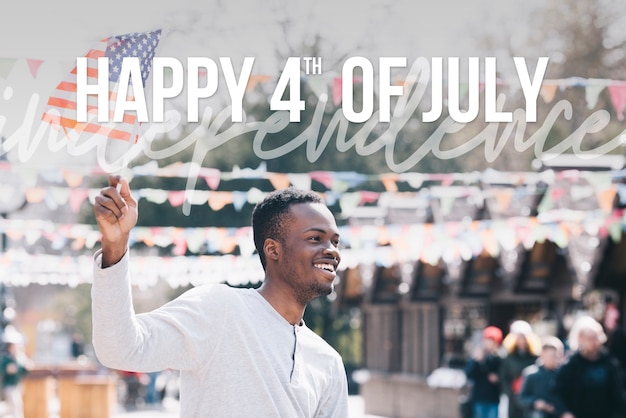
(269, 215)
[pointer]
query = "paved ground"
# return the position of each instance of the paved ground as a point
(169, 408)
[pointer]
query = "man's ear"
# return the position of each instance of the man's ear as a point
(272, 249)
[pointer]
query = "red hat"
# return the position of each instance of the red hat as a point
(493, 333)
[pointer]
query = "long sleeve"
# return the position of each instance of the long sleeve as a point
(528, 394)
(178, 335)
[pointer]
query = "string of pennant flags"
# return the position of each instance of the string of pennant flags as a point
(65, 187)
(217, 254)
(479, 235)
(383, 245)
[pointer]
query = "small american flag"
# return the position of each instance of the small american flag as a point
(61, 112)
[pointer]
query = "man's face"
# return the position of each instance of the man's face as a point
(310, 254)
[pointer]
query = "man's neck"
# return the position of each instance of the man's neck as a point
(283, 302)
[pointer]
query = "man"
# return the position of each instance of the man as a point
(536, 396)
(589, 385)
(241, 352)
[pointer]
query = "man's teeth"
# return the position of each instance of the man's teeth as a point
(328, 267)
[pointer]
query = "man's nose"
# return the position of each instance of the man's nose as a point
(332, 251)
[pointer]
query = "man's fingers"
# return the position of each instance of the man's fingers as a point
(123, 189)
(107, 208)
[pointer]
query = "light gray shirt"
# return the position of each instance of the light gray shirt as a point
(238, 357)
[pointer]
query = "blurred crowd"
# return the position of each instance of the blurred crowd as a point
(581, 376)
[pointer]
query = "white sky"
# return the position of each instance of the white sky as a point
(62, 29)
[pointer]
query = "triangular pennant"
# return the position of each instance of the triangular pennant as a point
(6, 65)
(504, 198)
(324, 177)
(548, 91)
(239, 200)
(217, 200)
(390, 181)
(615, 231)
(76, 199)
(35, 194)
(349, 202)
(592, 92)
(176, 197)
(337, 84)
(618, 99)
(256, 79)
(606, 198)
(72, 178)
(212, 177)
(33, 66)
(279, 180)
(318, 85)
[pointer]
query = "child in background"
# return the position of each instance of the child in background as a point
(483, 370)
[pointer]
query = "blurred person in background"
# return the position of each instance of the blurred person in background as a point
(616, 339)
(590, 384)
(537, 394)
(14, 366)
(482, 369)
(522, 347)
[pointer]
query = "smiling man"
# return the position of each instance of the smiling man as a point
(241, 352)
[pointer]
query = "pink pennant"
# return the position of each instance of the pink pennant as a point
(33, 66)
(180, 245)
(618, 99)
(212, 177)
(76, 199)
(176, 198)
(323, 177)
(337, 91)
(369, 197)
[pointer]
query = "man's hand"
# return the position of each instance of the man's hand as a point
(116, 214)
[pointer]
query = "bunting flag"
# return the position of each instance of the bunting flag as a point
(33, 66)
(318, 85)
(62, 111)
(6, 65)
(618, 99)
(337, 86)
(256, 79)
(548, 91)
(593, 90)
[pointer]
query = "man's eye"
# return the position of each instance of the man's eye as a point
(315, 238)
